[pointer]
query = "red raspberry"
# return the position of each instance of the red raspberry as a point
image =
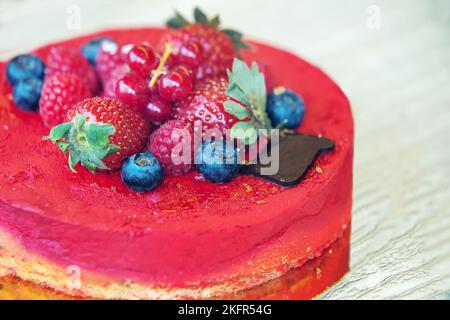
(116, 74)
(163, 141)
(109, 57)
(60, 92)
(68, 60)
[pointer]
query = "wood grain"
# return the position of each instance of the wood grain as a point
(397, 78)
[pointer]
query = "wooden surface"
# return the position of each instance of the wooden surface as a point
(396, 72)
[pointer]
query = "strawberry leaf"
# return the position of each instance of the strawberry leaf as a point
(59, 132)
(177, 22)
(236, 39)
(237, 110)
(215, 22)
(200, 16)
(87, 143)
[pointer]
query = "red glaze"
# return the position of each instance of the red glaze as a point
(188, 231)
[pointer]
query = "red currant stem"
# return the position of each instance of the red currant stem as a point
(162, 62)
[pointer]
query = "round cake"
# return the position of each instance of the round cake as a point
(84, 235)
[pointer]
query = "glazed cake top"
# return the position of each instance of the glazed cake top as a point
(36, 177)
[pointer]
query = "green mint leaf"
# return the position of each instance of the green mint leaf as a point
(237, 110)
(235, 91)
(58, 132)
(244, 131)
(200, 16)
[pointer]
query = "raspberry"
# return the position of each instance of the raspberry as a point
(173, 133)
(108, 59)
(116, 74)
(59, 93)
(67, 60)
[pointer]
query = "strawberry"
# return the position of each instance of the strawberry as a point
(100, 133)
(68, 60)
(60, 92)
(202, 45)
(238, 104)
(206, 104)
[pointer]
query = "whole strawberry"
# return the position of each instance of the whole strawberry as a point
(60, 92)
(168, 144)
(100, 133)
(202, 45)
(68, 60)
(237, 104)
(205, 104)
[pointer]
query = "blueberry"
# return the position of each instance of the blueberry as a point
(218, 161)
(23, 67)
(91, 48)
(285, 108)
(26, 94)
(142, 172)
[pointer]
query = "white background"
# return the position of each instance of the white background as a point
(397, 77)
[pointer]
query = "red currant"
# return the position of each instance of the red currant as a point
(142, 60)
(174, 86)
(158, 109)
(132, 90)
(190, 54)
(182, 69)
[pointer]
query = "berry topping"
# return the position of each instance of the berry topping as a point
(132, 90)
(109, 87)
(172, 144)
(26, 94)
(59, 93)
(285, 108)
(190, 54)
(215, 50)
(90, 49)
(100, 133)
(218, 161)
(142, 60)
(237, 104)
(206, 104)
(67, 60)
(142, 172)
(23, 67)
(174, 86)
(109, 57)
(158, 110)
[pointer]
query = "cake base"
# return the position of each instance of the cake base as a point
(305, 282)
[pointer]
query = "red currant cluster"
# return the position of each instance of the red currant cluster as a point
(153, 82)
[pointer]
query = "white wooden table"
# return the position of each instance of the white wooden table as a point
(392, 58)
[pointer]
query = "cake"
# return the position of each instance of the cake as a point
(66, 235)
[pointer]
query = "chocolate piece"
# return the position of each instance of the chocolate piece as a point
(297, 154)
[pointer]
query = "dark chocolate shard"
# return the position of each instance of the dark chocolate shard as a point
(297, 153)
